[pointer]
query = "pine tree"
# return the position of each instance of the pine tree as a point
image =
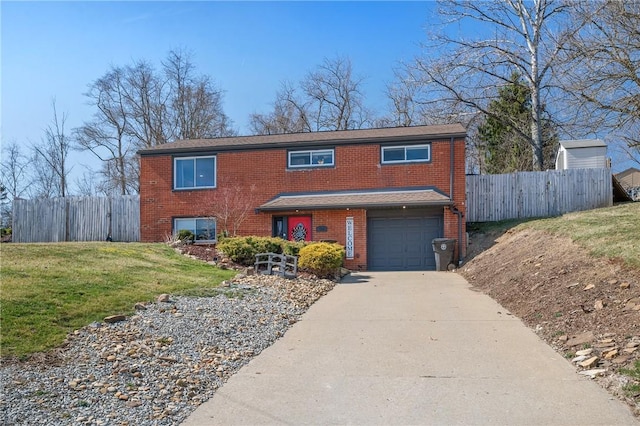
(505, 148)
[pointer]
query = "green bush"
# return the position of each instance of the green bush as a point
(266, 244)
(238, 250)
(292, 248)
(243, 250)
(5, 231)
(321, 259)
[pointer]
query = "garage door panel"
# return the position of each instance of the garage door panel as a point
(398, 244)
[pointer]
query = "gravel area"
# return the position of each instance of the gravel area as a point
(157, 366)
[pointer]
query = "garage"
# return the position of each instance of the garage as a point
(401, 241)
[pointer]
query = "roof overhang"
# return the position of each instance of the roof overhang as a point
(310, 139)
(582, 143)
(381, 198)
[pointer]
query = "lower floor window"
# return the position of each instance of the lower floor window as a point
(203, 229)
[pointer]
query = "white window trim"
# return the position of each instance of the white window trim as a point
(176, 229)
(311, 152)
(382, 149)
(194, 158)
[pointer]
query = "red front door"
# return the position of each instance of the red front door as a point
(299, 228)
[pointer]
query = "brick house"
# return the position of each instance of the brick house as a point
(382, 193)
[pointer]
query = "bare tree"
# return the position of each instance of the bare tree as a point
(196, 104)
(525, 38)
(86, 184)
(106, 136)
(15, 179)
(403, 96)
(137, 107)
(51, 154)
(288, 115)
(146, 102)
(603, 72)
(15, 171)
(328, 98)
(230, 204)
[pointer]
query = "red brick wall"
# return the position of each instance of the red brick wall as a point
(356, 167)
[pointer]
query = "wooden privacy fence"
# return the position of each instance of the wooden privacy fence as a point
(77, 219)
(537, 194)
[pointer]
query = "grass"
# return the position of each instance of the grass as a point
(632, 389)
(49, 290)
(611, 232)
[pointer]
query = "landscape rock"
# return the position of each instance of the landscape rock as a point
(610, 354)
(500, 264)
(581, 339)
(164, 298)
(140, 306)
(157, 367)
(579, 358)
(588, 363)
(114, 318)
(593, 373)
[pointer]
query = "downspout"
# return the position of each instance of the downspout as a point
(451, 164)
(452, 207)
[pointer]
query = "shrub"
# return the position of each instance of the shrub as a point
(266, 244)
(238, 250)
(292, 248)
(321, 259)
(243, 250)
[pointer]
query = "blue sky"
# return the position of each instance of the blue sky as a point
(56, 49)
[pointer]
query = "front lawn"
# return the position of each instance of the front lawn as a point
(49, 290)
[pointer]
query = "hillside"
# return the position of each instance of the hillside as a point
(579, 303)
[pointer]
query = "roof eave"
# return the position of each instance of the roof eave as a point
(165, 149)
(356, 206)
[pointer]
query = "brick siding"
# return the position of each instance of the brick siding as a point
(356, 167)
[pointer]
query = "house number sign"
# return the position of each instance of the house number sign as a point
(349, 244)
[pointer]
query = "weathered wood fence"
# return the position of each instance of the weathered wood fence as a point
(537, 194)
(77, 219)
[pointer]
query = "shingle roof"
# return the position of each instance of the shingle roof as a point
(310, 138)
(358, 199)
(583, 143)
(629, 171)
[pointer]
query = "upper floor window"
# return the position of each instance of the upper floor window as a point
(406, 154)
(311, 158)
(194, 172)
(202, 228)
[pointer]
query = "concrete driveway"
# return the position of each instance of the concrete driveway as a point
(410, 348)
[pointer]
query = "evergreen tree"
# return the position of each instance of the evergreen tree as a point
(501, 133)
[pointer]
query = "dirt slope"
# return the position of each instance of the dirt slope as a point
(572, 300)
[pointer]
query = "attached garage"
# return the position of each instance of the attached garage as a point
(400, 240)
(400, 223)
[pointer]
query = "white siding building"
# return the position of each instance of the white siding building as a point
(582, 154)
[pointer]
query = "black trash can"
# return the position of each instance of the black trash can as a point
(443, 250)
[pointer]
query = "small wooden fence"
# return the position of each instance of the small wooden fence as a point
(278, 264)
(77, 219)
(537, 194)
